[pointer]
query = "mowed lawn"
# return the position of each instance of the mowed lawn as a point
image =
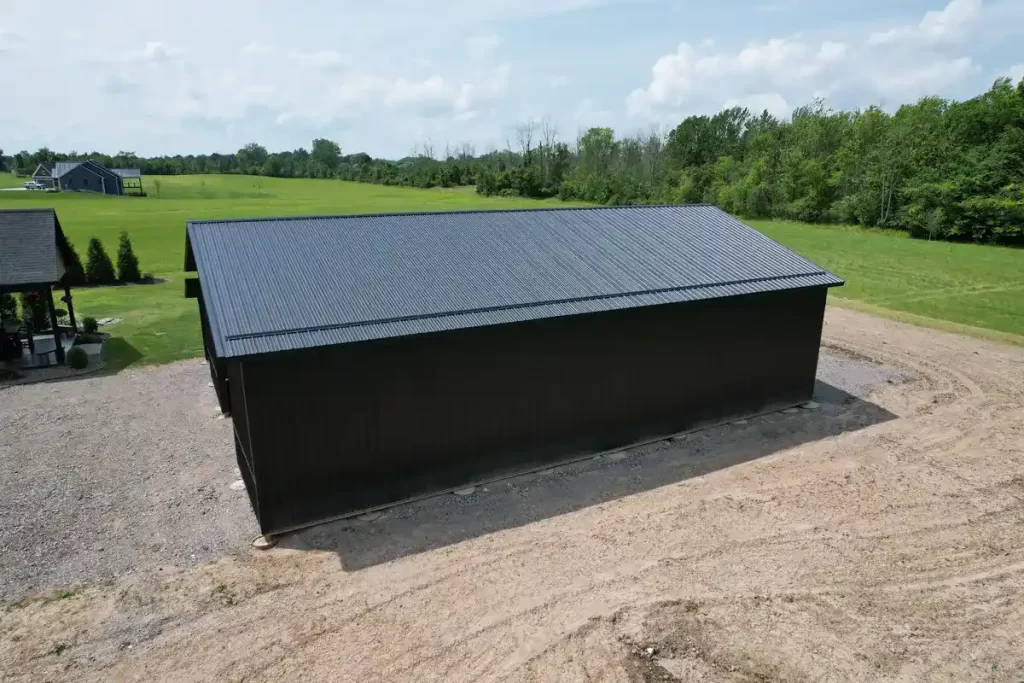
(960, 284)
(964, 284)
(158, 324)
(10, 180)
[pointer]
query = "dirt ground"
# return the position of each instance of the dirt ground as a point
(878, 537)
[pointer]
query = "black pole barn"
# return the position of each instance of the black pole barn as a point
(371, 359)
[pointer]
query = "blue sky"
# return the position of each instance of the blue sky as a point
(191, 76)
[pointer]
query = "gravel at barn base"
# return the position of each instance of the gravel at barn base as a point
(109, 475)
(876, 537)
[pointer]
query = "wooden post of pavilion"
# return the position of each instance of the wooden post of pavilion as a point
(55, 326)
(71, 307)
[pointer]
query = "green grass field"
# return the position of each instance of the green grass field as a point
(11, 180)
(963, 284)
(158, 323)
(947, 283)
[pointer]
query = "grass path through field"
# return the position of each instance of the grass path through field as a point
(960, 284)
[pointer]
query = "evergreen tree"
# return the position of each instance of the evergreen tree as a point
(98, 268)
(127, 261)
(74, 273)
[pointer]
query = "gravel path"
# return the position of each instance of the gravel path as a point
(111, 475)
(862, 540)
(105, 476)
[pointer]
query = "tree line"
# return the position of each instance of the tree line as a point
(938, 168)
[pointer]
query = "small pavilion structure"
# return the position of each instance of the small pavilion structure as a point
(34, 258)
(131, 180)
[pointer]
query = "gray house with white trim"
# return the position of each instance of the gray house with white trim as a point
(89, 176)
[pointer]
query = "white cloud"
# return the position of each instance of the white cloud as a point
(435, 97)
(832, 52)
(778, 6)
(430, 91)
(483, 46)
(693, 73)
(327, 60)
(888, 66)
(1016, 72)
(7, 40)
(773, 102)
(926, 79)
(492, 86)
(117, 84)
(154, 52)
(948, 24)
(589, 114)
(557, 81)
(357, 92)
(258, 49)
(254, 70)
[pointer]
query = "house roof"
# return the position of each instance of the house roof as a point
(127, 172)
(33, 249)
(41, 172)
(287, 283)
(62, 167)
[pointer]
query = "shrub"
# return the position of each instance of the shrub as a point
(90, 326)
(88, 338)
(6, 374)
(127, 261)
(8, 307)
(98, 268)
(34, 311)
(77, 358)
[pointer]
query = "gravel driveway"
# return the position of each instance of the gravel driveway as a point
(105, 476)
(872, 538)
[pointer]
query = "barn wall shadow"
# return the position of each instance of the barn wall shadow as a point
(120, 354)
(414, 528)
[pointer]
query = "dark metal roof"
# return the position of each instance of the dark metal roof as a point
(287, 283)
(31, 247)
(127, 172)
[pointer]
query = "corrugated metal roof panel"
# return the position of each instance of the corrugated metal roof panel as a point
(29, 252)
(279, 284)
(62, 167)
(127, 172)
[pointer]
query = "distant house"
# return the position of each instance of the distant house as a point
(89, 176)
(43, 176)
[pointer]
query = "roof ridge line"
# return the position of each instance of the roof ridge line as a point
(512, 307)
(538, 209)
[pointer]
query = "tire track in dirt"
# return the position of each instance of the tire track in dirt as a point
(892, 550)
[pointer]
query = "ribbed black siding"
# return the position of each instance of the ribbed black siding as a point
(244, 455)
(217, 366)
(340, 429)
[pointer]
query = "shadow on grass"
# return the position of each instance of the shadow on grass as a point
(119, 354)
(409, 529)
